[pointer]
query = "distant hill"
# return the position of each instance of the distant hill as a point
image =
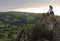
(19, 26)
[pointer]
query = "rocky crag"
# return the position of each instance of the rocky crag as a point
(46, 29)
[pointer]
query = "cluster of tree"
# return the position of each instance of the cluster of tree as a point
(14, 22)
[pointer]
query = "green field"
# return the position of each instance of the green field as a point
(11, 23)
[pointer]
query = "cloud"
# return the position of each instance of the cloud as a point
(14, 4)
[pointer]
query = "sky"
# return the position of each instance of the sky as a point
(36, 6)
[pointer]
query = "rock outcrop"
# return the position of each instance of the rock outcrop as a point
(46, 30)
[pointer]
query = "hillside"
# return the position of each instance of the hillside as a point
(16, 26)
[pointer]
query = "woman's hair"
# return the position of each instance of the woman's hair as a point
(50, 6)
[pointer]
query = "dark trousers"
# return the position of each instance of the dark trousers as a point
(52, 13)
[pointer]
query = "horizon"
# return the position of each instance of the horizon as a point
(37, 10)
